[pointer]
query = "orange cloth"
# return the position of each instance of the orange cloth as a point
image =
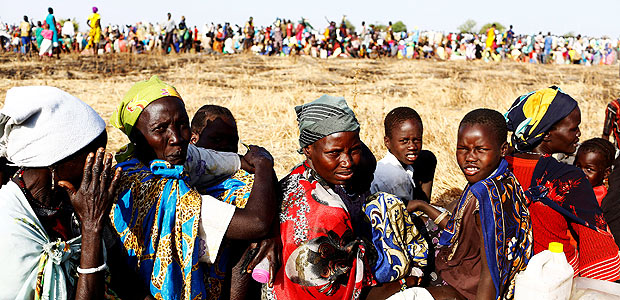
(600, 192)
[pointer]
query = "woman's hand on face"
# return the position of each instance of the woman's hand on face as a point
(94, 198)
(256, 157)
(271, 249)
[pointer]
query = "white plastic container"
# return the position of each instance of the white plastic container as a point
(592, 289)
(261, 271)
(548, 276)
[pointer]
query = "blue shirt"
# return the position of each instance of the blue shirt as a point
(50, 21)
(548, 41)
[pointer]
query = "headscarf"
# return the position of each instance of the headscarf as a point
(322, 117)
(532, 115)
(95, 9)
(42, 125)
(135, 101)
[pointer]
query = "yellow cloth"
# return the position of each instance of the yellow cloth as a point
(95, 29)
(536, 106)
(93, 18)
(490, 37)
(135, 101)
(95, 35)
(25, 29)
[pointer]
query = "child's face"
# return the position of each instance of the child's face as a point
(219, 134)
(593, 165)
(477, 152)
(405, 141)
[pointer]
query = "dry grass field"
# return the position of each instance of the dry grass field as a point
(262, 91)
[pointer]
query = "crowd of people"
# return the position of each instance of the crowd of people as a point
(285, 37)
(177, 213)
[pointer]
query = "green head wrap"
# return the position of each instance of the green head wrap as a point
(135, 101)
(322, 117)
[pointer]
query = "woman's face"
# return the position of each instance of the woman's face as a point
(335, 156)
(164, 126)
(563, 137)
(72, 168)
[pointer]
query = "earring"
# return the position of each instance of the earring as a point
(53, 171)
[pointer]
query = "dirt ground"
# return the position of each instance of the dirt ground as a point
(262, 91)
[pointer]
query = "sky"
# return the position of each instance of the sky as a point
(592, 18)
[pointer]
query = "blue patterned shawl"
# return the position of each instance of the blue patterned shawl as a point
(157, 216)
(234, 190)
(506, 227)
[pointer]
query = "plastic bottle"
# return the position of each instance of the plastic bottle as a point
(261, 271)
(548, 276)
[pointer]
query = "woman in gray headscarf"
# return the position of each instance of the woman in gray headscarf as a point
(322, 210)
(54, 210)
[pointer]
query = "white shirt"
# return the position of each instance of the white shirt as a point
(207, 167)
(215, 216)
(169, 25)
(391, 177)
(67, 29)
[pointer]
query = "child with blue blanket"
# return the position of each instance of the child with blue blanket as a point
(487, 239)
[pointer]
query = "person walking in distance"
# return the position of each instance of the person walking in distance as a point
(169, 26)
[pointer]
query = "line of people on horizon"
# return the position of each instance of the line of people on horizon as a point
(284, 38)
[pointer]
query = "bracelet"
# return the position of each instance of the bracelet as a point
(92, 270)
(441, 217)
(403, 284)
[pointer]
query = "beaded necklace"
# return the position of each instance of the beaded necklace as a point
(45, 212)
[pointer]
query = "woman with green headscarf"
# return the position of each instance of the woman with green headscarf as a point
(165, 225)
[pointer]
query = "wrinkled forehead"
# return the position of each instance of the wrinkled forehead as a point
(163, 108)
(343, 139)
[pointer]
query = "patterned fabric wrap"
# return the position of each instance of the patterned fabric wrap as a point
(323, 259)
(55, 268)
(322, 117)
(134, 102)
(399, 244)
(611, 126)
(554, 180)
(566, 190)
(236, 191)
(506, 227)
(533, 114)
(157, 217)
